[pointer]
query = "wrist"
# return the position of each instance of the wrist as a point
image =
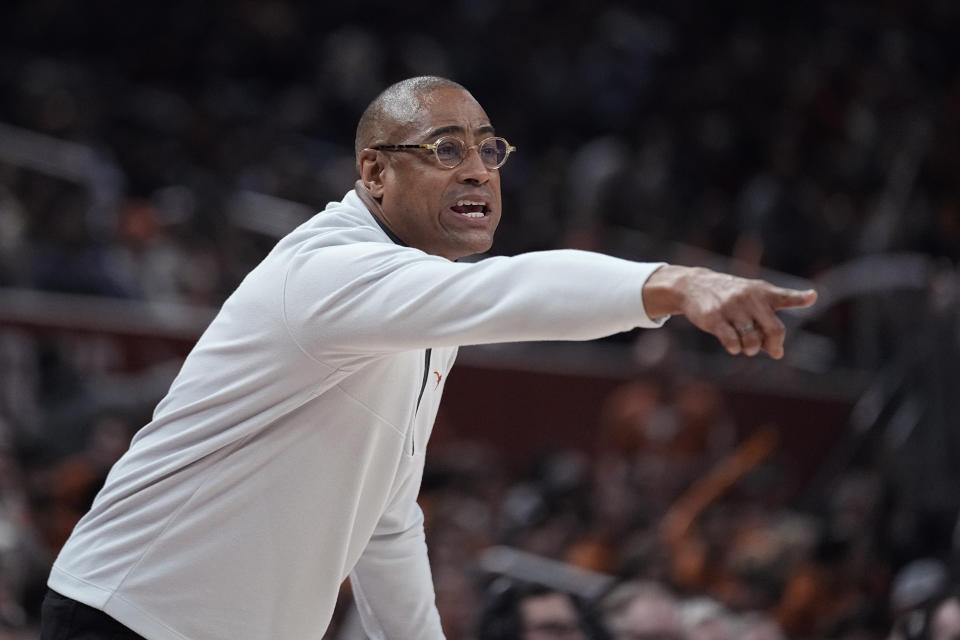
(664, 291)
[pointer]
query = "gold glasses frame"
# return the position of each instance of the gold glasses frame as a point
(463, 145)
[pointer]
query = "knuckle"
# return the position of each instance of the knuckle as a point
(714, 323)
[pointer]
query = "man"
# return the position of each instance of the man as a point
(945, 619)
(937, 618)
(531, 612)
(642, 610)
(289, 450)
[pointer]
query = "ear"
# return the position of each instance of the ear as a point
(371, 171)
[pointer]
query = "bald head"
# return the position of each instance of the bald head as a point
(395, 107)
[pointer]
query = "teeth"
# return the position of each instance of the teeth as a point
(473, 214)
(470, 203)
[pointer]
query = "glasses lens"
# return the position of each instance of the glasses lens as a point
(449, 151)
(493, 152)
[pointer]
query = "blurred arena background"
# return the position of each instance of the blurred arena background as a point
(152, 152)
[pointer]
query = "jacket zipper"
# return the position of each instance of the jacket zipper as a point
(423, 386)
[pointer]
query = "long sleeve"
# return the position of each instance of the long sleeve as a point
(392, 584)
(379, 298)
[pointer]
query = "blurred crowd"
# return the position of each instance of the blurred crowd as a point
(794, 137)
(789, 137)
(682, 524)
(690, 522)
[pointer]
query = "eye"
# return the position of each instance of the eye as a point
(493, 152)
(449, 151)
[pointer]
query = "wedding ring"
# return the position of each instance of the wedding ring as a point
(747, 328)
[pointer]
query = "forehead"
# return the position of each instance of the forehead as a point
(652, 614)
(548, 606)
(451, 109)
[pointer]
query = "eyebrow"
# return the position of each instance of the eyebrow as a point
(453, 128)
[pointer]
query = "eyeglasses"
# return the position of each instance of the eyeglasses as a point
(451, 150)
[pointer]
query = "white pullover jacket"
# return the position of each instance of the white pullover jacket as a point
(289, 450)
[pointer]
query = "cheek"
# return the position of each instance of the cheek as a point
(495, 184)
(432, 194)
(410, 196)
(422, 188)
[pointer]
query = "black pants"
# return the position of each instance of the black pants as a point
(62, 618)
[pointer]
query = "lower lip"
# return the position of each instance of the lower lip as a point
(479, 220)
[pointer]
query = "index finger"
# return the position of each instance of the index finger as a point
(783, 298)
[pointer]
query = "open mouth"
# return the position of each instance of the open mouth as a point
(471, 208)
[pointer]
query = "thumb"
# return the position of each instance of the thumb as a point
(790, 298)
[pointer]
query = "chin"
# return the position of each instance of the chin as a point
(475, 248)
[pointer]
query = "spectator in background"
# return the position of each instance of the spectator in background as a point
(519, 611)
(642, 611)
(23, 558)
(945, 622)
(924, 604)
(758, 626)
(916, 585)
(939, 620)
(706, 619)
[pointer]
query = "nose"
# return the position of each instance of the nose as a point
(472, 168)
